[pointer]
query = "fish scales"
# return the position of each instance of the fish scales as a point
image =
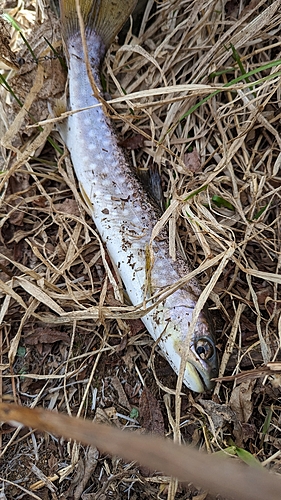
(125, 218)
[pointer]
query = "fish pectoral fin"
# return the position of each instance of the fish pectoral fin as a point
(59, 106)
(56, 110)
(86, 198)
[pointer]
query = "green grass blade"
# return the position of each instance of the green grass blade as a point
(267, 421)
(16, 26)
(247, 457)
(56, 54)
(260, 212)
(7, 87)
(244, 455)
(11, 21)
(237, 59)
(221, 202)
(202, 188)
(29, 47)
(239, 79)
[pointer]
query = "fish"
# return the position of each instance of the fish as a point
(122, 210)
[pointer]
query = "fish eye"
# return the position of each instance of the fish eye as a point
(20, 61)
(204, 349)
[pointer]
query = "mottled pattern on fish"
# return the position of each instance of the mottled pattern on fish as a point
(125, 217)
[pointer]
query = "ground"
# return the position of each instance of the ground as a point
(208, 117)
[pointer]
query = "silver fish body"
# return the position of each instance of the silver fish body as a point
(125, 218)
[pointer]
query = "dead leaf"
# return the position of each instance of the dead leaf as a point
(129, 357)
(192, 161)
(106, 416)
(220, 414)
(136, 326)
(43, 335)
(68, 206)
(89, 466)
(19, 182)
(122, 398)
(249, 432)
(122, 345)
(40, 201)
(151, 419)
(150, 412)
(240, 401)
(16, 217)
(242, 405)
(136, 141)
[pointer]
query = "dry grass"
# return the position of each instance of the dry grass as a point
(67, 343)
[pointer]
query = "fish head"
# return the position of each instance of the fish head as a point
(197, 346)
(202, 362)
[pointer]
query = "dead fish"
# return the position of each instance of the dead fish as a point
(121, 210)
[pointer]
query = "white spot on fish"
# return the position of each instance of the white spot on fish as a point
(121, 180)
(106, 197)
(92, 146)
(87, 121)
(92, 134)
(161, 280)
(106, 182)
(103, 127)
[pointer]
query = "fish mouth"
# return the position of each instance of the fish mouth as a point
(198, 379)
(193, 378)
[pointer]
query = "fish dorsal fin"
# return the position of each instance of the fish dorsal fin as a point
(104, 17)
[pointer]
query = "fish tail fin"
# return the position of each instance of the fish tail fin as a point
(104, 17)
